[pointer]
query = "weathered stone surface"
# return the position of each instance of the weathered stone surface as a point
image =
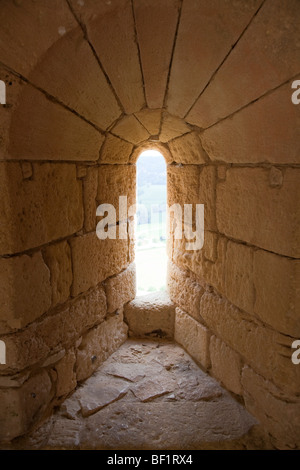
(60, 331)
(149, 389)
(22, 23)
(121, 288)
(193, 336)
(44, 130)
(187, 149)
(110, 28)
(265, 350)
(98, 394)
(131, 130)
(90, 187)
(25, 290)
(82, 88)
(66, 377)
(206, 34)
(150, 315)
(115, 150)
(239, 287)
(58, 259)
(239, 201)
(156, 25)
(32, 209)
(22, 407)
(98, 344)
(94, 260)
(183, 184)
(115, 181)
(172, 127)
(226, 365)
(277, 291)
(151, 119)
(184, 290)
(248, 136)
(278, 412)
(237, 83)
(207, 196)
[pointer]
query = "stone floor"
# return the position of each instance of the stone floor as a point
(148, 395)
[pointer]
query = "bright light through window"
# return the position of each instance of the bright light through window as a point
(151, 257)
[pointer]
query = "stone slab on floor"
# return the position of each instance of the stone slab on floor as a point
(147, 395)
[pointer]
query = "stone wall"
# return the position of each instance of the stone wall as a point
(209, 85)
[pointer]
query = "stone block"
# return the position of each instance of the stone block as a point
(184, 291)
(156, 23)
(131, 130)
(241, 81)
(276, 282)
(115, 150)
(250, 136)
(187, 149)
(95, 260)
(239, 287)
(207, 196)
(58, 260)
(120, 289)
(151, 120)
(90, 188)
(249, 209)
(22, 407)
(275, 410)
(193, 336)
(265, 350)
(98, 344)
(172, 127)
(206, 34)
(66, 377)
(32, 210)
(226, 365)
(110, 28)
(183, 184)
(151, 315)
(25, 290)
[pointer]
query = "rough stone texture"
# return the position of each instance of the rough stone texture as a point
(37, 119)
(187, 149)
(248, 136)
(25, 290)
(104, 413)
(21, 407)
(66, 377)
(120, 289)
(156, 25)
(41, 340)
(184, 290)
(90, 186)
(150, 315)
(115, 150)
(22, 23)
(172, 127)
(265, 350)
(58, 259)
(94, 260)
(183, 184)
(131, 130)
(32, 209)
(277, 291)
(239, 287)
(243, 190)
(207, 196)
(226, 365)
(82, 88)
(206, 34)
(193, 336)
(274, 63)
(151, 120)
(110, 28)
(278, 412)
(98, 344)
(115, 181)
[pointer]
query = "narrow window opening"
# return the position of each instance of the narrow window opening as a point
(150, 255)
